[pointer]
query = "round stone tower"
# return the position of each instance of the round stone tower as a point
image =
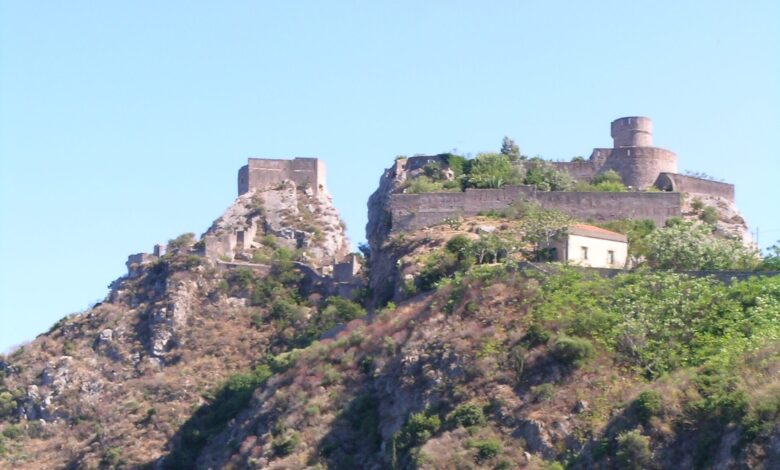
(633, 131)
(633, 155)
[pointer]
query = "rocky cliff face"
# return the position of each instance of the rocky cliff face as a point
(297, 217)
(109, 387)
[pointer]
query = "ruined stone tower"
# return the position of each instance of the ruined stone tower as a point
(265, 173)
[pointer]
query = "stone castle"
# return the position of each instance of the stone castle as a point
(656, 190)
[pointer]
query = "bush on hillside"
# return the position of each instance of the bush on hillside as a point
(466, 415)
(648, 404)
(573, 351)
(418, 429)
(633, 451)
(692, 246)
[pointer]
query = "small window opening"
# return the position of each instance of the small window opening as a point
(584, 252)
(611, 257)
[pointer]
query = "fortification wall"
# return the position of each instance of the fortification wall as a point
(416, 211)
(267, 173)
(605, 206)
(694, 186)
(640, 166)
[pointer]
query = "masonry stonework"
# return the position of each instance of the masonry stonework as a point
(694, 186)
(415, 211)
(633, 156)
(267, 173)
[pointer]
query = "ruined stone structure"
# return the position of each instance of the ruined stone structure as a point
(261, 173)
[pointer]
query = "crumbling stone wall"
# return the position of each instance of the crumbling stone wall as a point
(268, 173)
(694, 186)
(415, 211)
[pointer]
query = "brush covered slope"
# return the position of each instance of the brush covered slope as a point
(480, 364)
(112, 386)
(468, 360)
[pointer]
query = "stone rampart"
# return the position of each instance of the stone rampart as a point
(694, 186)
(605, 206)
(267, 173)
(415, 211)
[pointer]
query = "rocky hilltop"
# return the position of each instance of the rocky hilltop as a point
(265, 344)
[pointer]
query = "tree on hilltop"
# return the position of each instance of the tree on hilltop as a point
(510, 149)
(692, 246)
(493, 170)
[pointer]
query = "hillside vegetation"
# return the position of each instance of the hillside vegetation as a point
(459, 354)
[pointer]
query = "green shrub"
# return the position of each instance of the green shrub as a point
(493, 170)
(609, 176)
(242, 277)
(330, 376)
(633, 451)
(256, 320)
(7, 404)
(573, 351)
(692, 246)
(543, 392)
(466, 415)
(536, 335)
(182, 241)
(486, 449)
(648, 404)
(13, 431)
(459, 245)
(111, 458)
(763, 416)
(546, 177)
(286, 311)
(418, 429)
(709, 215)
(285, 444)
(423, 184)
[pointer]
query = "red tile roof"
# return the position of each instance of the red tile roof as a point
(592, 231)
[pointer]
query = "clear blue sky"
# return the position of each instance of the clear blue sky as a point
(123, 124)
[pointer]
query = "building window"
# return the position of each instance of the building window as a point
(610, 257)
(584, 252)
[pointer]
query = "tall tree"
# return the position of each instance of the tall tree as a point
(510, 149)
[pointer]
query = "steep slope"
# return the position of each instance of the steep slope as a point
(504, 369)
(109, 387)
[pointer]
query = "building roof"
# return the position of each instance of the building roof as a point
(592, 231)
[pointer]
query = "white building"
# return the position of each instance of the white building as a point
(586, 245)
